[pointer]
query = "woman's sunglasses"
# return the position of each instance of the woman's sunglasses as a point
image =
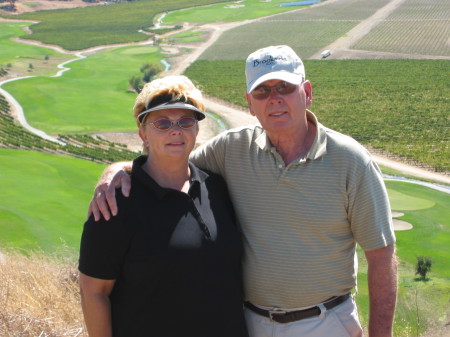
(263, 91)
(165, 124)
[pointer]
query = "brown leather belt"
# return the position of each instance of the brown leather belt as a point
(282, 316)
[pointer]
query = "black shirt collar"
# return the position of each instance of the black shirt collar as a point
(137, 172)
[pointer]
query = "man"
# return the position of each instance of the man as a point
(304, 195)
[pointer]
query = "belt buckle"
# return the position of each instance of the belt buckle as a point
(276, 311)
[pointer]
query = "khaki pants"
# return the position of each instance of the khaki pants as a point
(340, 321)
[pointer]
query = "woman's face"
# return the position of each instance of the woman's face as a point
(173, 143)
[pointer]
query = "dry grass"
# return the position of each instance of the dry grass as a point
(39, 296)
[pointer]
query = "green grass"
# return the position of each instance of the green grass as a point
(406, 202)
(81, 28)
(429, 212)
(378, 102)
(188, 37)
(164, 30)
(223, 12)
(19, 55)
(420, 304)
(44, 199)
(92, 96)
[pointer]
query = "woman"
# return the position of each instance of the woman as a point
(168, 265)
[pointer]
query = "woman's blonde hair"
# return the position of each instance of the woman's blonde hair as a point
(177, 86)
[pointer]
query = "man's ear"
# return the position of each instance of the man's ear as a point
(249, 103)
(308, 90)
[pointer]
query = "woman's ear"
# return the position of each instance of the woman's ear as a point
(142, 134)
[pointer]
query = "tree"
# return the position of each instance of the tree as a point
(11, 7)
(136, 83)
(423, 266)
(150, 71)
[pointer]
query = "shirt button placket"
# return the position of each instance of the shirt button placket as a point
(201, 223)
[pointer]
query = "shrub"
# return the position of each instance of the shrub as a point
(423, 266)
(136, 83)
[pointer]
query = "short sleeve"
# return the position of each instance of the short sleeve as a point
(211, 155)
(369, 210)
(103, 248)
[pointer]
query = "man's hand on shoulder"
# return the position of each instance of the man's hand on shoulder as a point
(104, 199)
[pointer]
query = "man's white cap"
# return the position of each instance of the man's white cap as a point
(273, 63)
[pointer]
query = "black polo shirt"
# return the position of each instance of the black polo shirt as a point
(175, 258)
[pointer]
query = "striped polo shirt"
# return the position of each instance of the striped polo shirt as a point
(301, 222)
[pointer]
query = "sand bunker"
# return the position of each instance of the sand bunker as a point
(400, 225)
(397, 214)
(234, 6)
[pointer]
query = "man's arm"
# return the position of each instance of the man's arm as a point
(209, 156)
(104, 199)
(382, 279)
(96, 305)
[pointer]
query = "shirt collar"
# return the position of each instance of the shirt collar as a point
(318, 148)
(137, 172)
(197, 174)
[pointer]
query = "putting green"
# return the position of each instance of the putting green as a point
(404, 202)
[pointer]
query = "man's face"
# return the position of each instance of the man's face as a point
(280, 112)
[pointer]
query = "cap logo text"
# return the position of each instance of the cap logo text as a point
(268, 61)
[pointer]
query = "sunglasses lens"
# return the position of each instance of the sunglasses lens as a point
(187, 122)
(285, 88)
(162, 124)
(166, 124)
(263, 91)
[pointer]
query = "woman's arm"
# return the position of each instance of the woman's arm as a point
(96, 305)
